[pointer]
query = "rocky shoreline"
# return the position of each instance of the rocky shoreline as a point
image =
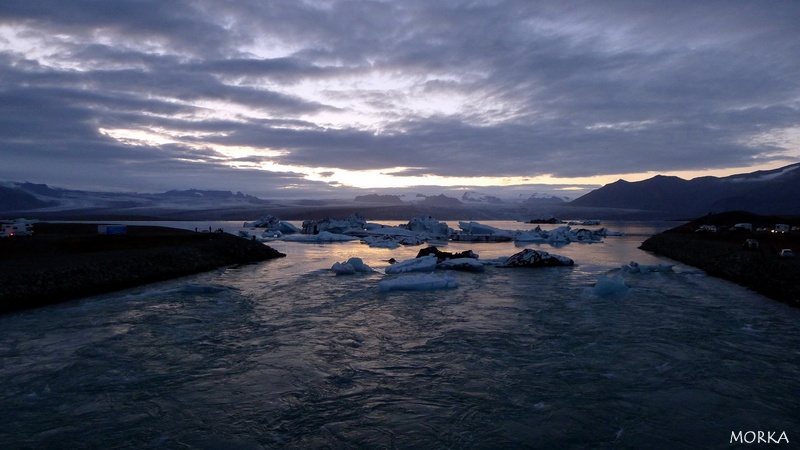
(723, 256)
(67, 261)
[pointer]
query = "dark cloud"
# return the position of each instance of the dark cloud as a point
(449, 88)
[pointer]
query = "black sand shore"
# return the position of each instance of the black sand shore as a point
(723, 255)
(67, 261)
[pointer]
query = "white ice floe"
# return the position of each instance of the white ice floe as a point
(351, 266)
(609, 286)
(424, 264)
(466, 264)
(323, 236)
(418, 282)
(634, 267)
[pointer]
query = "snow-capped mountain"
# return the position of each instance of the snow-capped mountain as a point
(28, 196)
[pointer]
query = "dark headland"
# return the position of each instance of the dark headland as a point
(66, 260)
(722, 253)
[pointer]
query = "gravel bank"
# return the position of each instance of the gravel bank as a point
(67, 261)
(724, 257)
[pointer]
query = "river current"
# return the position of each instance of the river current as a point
(285, 354)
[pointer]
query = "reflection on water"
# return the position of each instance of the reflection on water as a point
(284, 354)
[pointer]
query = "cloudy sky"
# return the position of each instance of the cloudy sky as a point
(281, 98)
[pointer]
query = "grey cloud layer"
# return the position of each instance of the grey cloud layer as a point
(573, 89)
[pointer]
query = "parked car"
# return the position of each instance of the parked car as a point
(743, 227)
(786, 253)
(707, 229)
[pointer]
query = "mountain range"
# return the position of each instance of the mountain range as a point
(764, 192)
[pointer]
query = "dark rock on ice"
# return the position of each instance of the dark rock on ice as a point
(536, 258)
(441, 256)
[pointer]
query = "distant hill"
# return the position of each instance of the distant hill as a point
(383, 199)
(544, 199)
(763, 192)
(440, 200)
(479, 197)
(14, 199)
(17, 197)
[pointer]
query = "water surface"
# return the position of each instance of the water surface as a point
(284, 354)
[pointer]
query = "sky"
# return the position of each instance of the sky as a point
(317, 98)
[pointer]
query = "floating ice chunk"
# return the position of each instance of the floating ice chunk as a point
(351, 266)
(323, 236)
(441, 256)
(381, 230)
(479, 228)
(274, 234)
(467, 264)
(353, 224)
(390, 241)
(606, 232)
(385, 241)
(635, 267)
(586, 222)
(418, 282)
(536, 258)
(608, 286)
(528, 236)
(424, 264)
(272, 223)
(478, 232)
(429, 225)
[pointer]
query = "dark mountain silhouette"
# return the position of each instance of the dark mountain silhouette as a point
(375, 198)
(14, 199)
(30, 196)
(763, 192)
(440, 200)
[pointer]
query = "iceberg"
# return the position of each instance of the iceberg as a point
(478, 232)
(272, 223)
(609, 286)
(536, 258)
(323, 236)
(606, 232)
(441, 256)
(466, 264)
(430, 226)
(585, 222)
(380, 242)
(351, 266)
(528, 236)
(635, 267)
(424, 264)
(390, 241)
(418, 282)
(353, 224)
